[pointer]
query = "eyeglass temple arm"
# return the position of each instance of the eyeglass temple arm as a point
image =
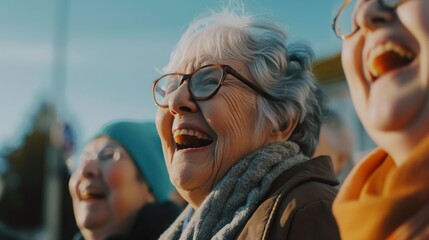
(250, 84)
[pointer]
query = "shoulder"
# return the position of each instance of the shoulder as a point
(159, 211)
(153, 219)
(306, 183)
(78, 236)
(304, 204)
(299, 203)
(305, 212)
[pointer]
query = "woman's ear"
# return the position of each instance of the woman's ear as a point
(282, 135)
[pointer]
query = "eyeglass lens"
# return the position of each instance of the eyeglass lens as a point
(391, 3)
(108, 154)
(345, 23)
(202, 84)
(104, 155)
(166, 85)
(205, 81)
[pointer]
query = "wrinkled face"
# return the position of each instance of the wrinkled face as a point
(201, 140)
(387, 67)
(106, 191)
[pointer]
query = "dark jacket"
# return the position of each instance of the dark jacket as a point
(298, 205)
(150, 222)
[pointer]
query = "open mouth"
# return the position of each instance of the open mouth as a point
(92, 194)
(190, 138)
(387, 57)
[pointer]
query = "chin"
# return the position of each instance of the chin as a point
(88, 222)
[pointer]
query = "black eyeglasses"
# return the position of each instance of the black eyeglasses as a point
(344, 23)
(203, 84)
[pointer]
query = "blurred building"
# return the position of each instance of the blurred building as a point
(330, 74)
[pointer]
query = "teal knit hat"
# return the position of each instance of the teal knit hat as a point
(141, 141)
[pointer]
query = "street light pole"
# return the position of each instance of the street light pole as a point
(52, 207)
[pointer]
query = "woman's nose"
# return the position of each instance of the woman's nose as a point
(90, 169)
(371, 15)
(181, 101)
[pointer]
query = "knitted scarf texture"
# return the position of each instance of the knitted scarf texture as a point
(237, 195)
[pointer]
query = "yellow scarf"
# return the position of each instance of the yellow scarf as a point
(379, 196)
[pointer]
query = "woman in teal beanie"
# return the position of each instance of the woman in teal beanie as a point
(120, 188)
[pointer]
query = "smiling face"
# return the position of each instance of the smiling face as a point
(106, 192)
(386, 64)
(201, 140)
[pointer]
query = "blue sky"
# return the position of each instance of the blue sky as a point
(114, 48)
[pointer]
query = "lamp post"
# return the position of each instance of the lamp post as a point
(52, 204)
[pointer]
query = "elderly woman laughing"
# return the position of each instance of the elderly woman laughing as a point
(238, 118)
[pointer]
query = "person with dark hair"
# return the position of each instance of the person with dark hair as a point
(120, 188)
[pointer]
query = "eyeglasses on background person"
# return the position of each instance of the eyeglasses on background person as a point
(108, 154)
(203, 84)
(344, 23)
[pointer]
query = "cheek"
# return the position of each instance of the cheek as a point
(115, 178)
(164, 122)
(351, 60)
(414, 17)
(353, 65)
(72, 187)
(232, 117)
(421, 30)
(118, 179)
(233, 114)
(163, 119)
(347, 56)
(121, 180)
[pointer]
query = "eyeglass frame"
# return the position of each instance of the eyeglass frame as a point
(117, 155)
(347, 2)
(226, 69)
(73, 162)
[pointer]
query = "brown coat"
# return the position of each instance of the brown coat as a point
(298, 205)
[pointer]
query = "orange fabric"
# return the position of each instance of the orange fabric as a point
(379, 196)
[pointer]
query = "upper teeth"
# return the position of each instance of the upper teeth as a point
(381, 49)
(191, 132)
(87, 194)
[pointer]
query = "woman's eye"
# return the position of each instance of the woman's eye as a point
(209, 81)
(106, 155)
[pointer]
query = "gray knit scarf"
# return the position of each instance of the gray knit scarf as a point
(237, 195)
